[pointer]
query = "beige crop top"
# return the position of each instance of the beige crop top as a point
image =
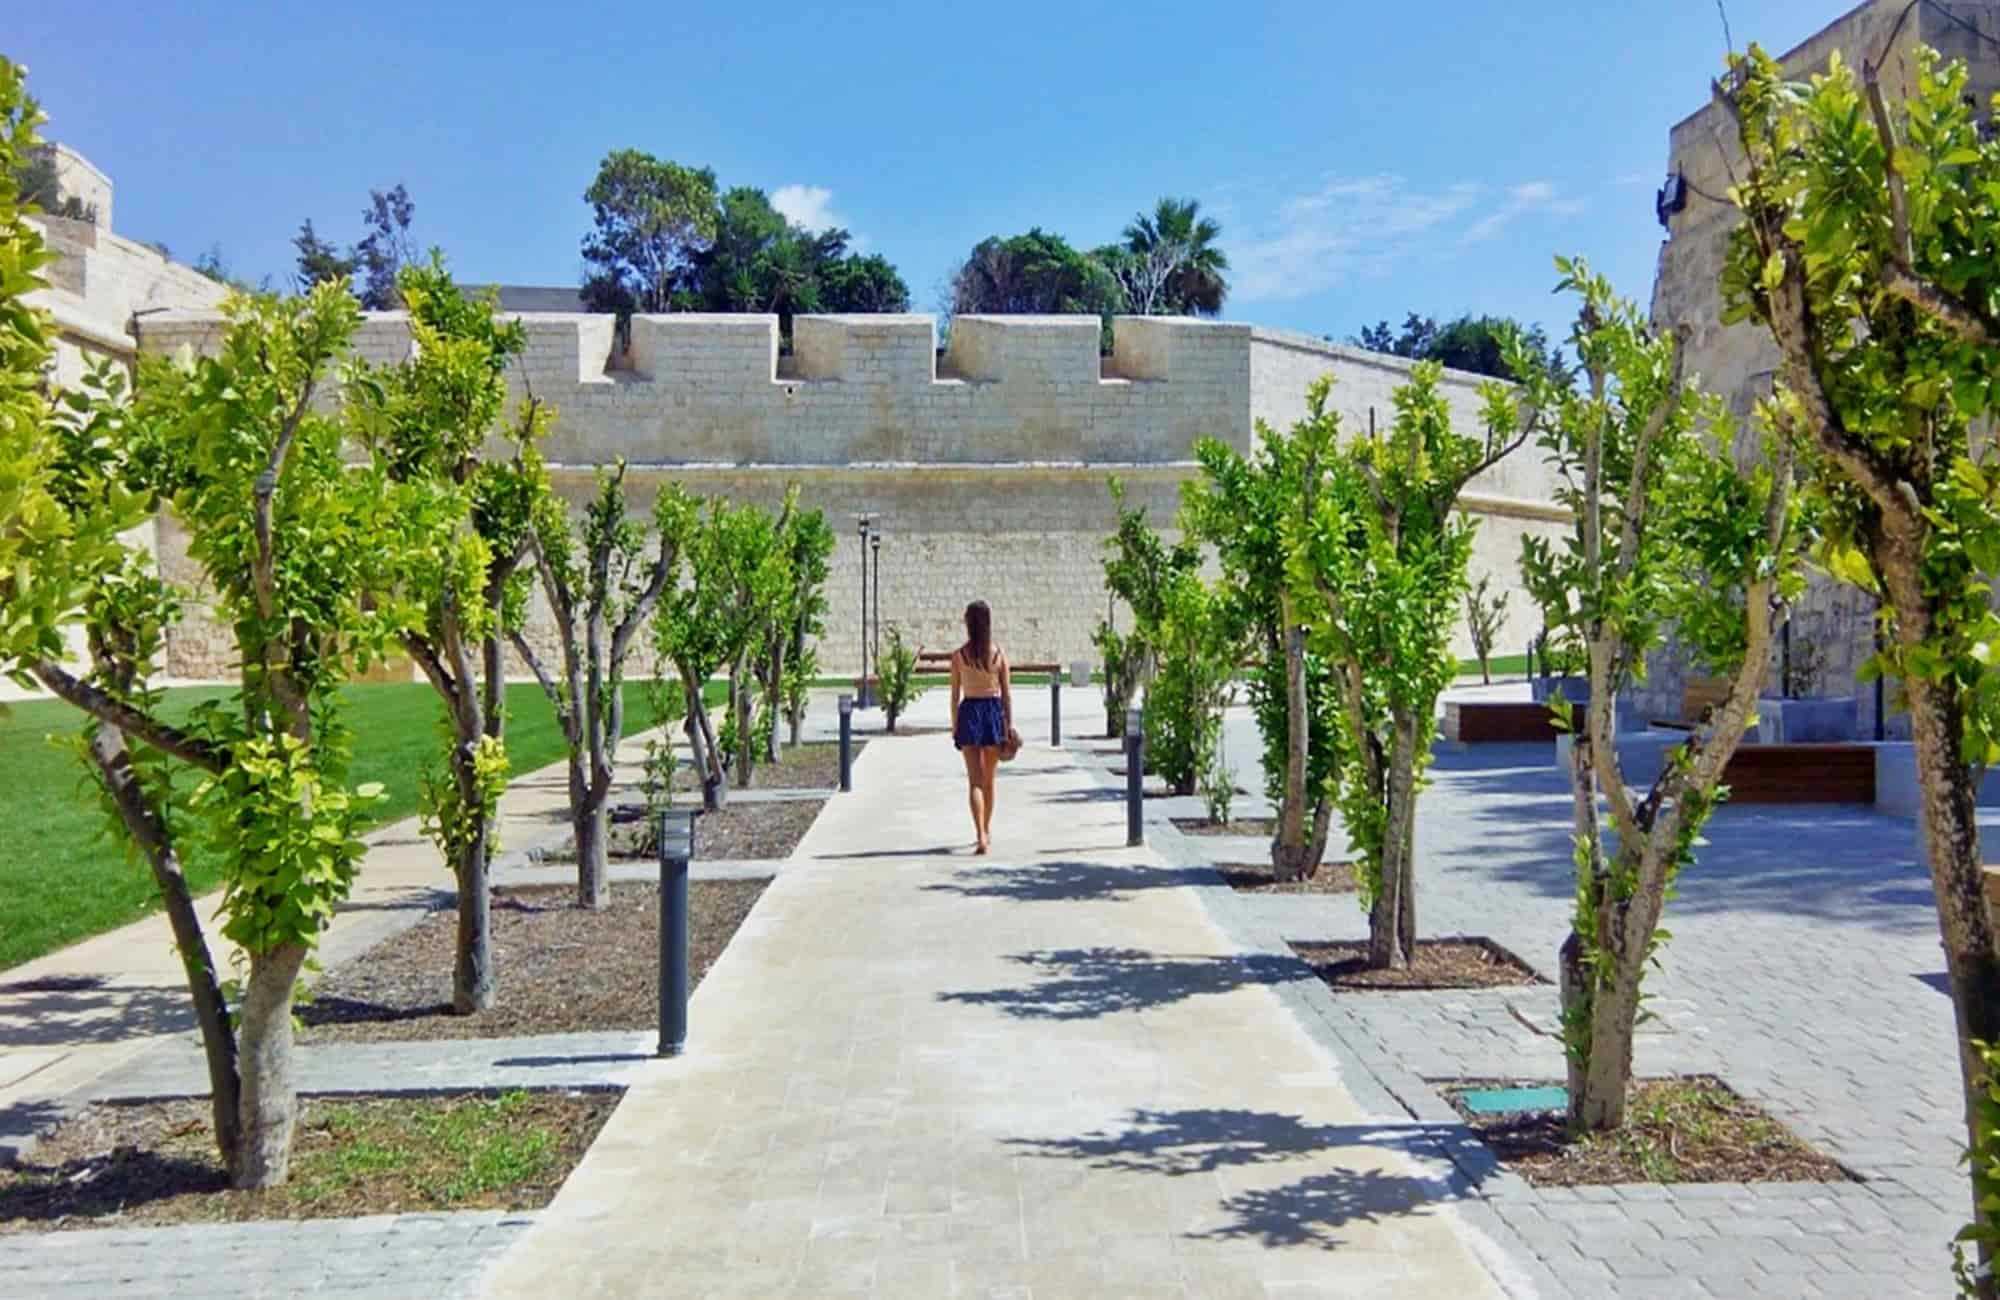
(976, 683)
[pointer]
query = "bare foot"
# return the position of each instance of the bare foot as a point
(979, 849)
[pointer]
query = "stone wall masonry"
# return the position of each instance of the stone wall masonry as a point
(987, 466)
(1739, 361)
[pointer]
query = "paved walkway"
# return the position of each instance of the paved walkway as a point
(1041, 1074)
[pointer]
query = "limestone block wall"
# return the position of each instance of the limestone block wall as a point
(1739, 361)
(987, 467)
(1511, 500)
(99, 283)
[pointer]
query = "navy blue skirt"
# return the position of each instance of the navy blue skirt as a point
(980, 722)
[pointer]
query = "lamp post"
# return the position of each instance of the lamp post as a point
(862, 691)
(676, 837)
(875, 545)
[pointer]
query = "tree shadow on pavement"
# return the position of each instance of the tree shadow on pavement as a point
(1054, 882)
(1306, 1212)
(62, 1016)
(1082, 983)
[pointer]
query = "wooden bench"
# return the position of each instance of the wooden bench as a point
(1473, 722)
(1801, 774)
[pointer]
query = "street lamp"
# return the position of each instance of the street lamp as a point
(862, 522)
(875, 545)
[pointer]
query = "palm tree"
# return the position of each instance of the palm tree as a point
(1177, 229)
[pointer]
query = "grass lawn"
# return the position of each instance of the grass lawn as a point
(64, 878)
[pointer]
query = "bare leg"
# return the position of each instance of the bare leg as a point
(989, 765)
(975, 795)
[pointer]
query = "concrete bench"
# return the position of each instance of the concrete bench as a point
(1761, 774)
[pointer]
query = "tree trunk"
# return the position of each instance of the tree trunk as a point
(1291, 856)
(1947, 822)
(269, 1103)
(1599, 1077)
(587, 825)
(150, 832)
(741, 702)
(701, 740)
(1485, 669)
(774, 698)
(472, 980)
(1392, 920)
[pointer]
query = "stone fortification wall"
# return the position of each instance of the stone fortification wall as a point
(987, 464)
(1739, 361)
(100, 283)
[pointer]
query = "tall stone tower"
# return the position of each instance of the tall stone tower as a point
(1834, 622)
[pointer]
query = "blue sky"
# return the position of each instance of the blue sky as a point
(1366, 160)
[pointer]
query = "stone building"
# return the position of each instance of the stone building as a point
(103, 287)
(1834, 623)
(986, 463)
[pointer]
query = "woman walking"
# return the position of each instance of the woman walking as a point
(982, 710)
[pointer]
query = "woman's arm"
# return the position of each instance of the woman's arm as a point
(954, 691)
(1007, 692)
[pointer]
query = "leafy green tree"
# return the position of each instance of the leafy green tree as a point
(1870, 249)
(652, 219)
(759, 577)
(899, 678)
(464, 527)
(1124, 656)
(1179, 238)
(705, 626)
(1485, 615)
(319, 261)
(1667, 531)
(1378, 571)
(1033, 274)
(602, 580)
(786, 663)
(386, 249)
(283, 533)
(856, 283)
(1476, 344)
(1243, 505)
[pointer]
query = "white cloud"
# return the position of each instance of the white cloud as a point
(1367, 225)
(810, 206)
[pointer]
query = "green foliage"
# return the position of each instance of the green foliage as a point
(1477, 344)
(1485, 615)
(1035, 274)
(1983, 1155)
(1199, 639)
(735, 571)
(899, 676)
(1243, 506)
(760, 261)
(1125, 667)
(652, 218)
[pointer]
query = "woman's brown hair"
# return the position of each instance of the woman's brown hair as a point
(978, 634)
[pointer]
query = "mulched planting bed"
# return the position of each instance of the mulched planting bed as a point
(562, 969)
(1259, 827)
(1683, 1130)
(806, 767)
(1454, 963)
(1256, 878)
(763, 829)
(123, 1166)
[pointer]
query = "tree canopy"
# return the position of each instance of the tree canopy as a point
(1038, 273)
(1470, 343)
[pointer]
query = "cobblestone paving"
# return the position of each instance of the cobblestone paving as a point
(1803, 970)
(383, 1257)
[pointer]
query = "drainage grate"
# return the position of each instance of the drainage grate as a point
(1514, 1101)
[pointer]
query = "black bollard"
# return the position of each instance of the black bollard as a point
(676, 836)
(1055, 709)
(846, 743)
(1135, 778)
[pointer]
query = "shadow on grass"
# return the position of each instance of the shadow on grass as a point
(1083, 983)
(1055, 882)
(1308, 1212)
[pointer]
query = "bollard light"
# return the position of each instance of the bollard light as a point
(846, 743)
(676, 836)
(1055, 707)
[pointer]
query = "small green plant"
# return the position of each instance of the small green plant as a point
(1218, 787)
(899, 677)
(666, 703)
(1804, 667)
(1984, 1159)
(1485, 614)
(1125, 662)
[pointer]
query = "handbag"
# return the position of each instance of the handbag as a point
(1010, 746)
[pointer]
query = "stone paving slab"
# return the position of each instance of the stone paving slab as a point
(1801, 971)
(1044, 1073)
(382, 1257)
